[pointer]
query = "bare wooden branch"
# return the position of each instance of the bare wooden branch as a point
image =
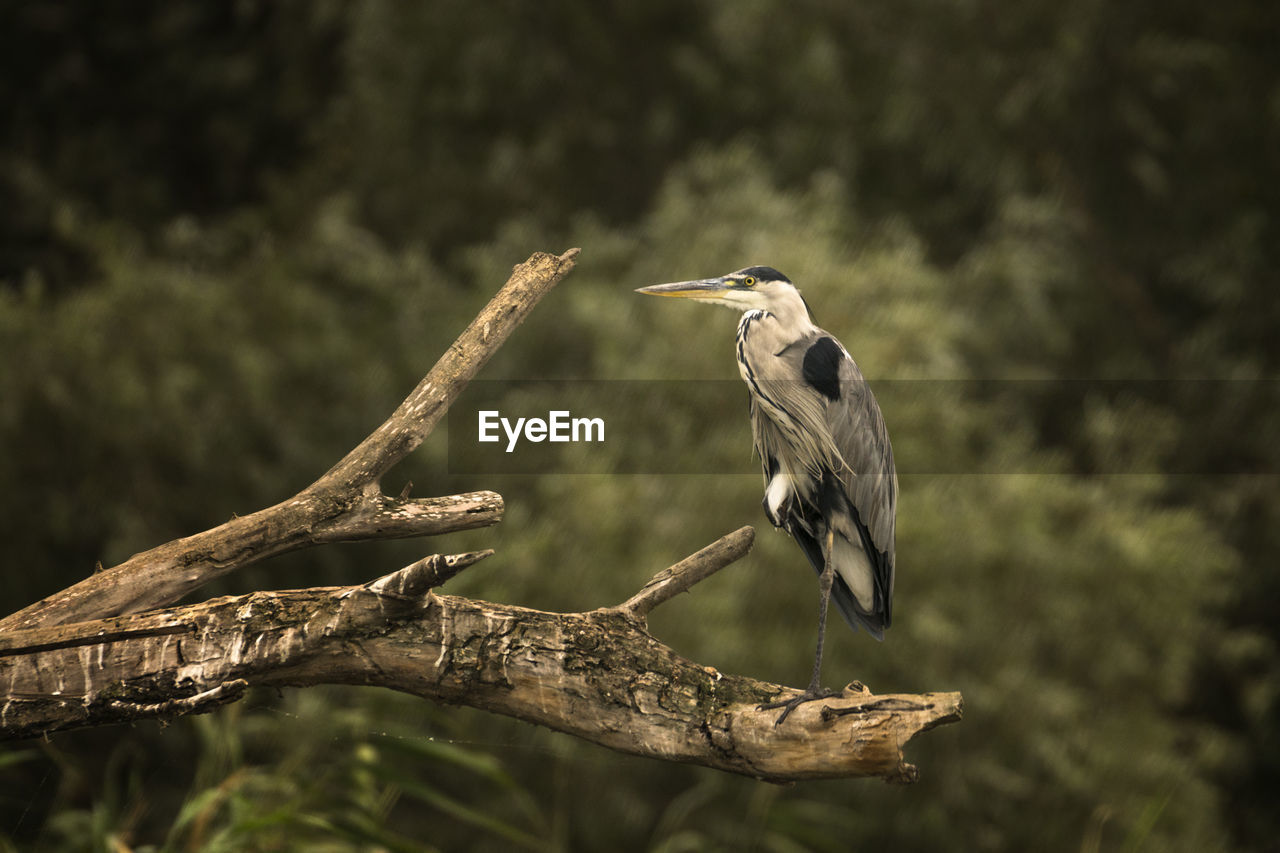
(672, 581)
(345, 504)
(598, 675)
(422, 409)
(381, 517)
(417, 579)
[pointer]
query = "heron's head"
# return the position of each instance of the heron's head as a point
(754, 287)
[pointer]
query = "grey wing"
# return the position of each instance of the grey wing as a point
(843, 446)
(861, 505)
(868, 475)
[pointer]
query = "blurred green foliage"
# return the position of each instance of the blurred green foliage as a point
(235, 236)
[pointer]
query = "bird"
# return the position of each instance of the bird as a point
(829, 474)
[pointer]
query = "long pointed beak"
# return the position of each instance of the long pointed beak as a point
(706, 288)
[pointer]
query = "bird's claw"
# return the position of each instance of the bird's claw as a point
(789, 705)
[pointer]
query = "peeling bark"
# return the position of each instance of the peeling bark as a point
(599, 676)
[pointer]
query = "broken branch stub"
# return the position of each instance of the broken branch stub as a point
(670, 582)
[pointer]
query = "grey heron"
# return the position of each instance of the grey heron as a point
(828, 464)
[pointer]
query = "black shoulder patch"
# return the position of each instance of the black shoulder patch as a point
(765, 274)
(822, 367)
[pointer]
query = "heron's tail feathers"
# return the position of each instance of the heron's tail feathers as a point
(855, 591)
(873, 623)
(861, 587)
(873, 618)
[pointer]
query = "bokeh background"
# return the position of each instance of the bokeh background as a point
(234, 235)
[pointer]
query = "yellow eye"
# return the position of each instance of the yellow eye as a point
(749, 281)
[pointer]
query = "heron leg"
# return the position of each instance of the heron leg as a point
(814, 691)
(825, 581)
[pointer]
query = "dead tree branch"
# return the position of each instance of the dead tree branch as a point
(669, 583)
(99, 652)
(345, 504)
(599, 676)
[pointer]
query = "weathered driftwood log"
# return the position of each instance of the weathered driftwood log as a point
(597, 675)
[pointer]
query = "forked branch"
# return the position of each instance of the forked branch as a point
(343, 505)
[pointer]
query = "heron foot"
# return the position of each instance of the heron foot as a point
(789, 705)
